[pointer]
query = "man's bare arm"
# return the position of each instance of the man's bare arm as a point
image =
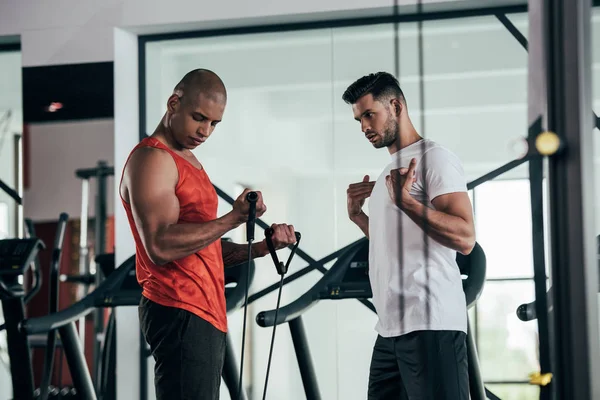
(282, 235)
(236, 254)
(450, 224)
(151, 176)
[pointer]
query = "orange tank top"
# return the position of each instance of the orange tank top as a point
(194, 283)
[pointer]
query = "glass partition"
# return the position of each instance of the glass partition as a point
(287, 132)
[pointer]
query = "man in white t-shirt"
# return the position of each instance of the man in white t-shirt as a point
(419, 217)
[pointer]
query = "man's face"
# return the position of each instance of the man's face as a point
(376, 121)
(192, 121)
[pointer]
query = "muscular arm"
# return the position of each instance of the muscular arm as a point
(150, 180)
(451, 223)
(235, 254)
(362, 221)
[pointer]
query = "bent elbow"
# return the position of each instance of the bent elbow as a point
(157, 255)
(467, 245)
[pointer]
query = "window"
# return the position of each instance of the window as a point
(507, 346)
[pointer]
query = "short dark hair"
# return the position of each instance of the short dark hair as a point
(380, 85)
(203, 81)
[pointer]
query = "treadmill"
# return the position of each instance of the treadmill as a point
(348, 279)
(120, 288)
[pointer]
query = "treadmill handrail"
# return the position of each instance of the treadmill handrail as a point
(312, 296)
(81, 308)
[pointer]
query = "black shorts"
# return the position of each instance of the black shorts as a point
(422, 365)
(189, 352)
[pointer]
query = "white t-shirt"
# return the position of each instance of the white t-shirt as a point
(425, 291)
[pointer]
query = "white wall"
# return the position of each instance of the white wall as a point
(56, 151)
(126, 128)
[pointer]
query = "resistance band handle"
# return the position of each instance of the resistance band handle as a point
(281, 268)
(278, 265)
(252, 198)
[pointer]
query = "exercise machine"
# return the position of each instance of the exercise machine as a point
(348, 279)
(528, 312)
(89, 273)
(120, 288)
(16, 257)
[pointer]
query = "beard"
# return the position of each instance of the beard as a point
(389, 134)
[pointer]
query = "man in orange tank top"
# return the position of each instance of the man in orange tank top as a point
(171, 206)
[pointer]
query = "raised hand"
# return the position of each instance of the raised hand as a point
(399, 182)
(241, 206)
(357, 194)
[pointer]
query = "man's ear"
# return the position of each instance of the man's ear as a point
(396, 106)
(173, 103)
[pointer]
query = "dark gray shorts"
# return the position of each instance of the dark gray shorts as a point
(189, 352)
(422, 365)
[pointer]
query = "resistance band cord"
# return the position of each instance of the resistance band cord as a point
(244, 321)
(252, 198)
(282, 269)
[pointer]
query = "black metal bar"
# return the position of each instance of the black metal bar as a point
(536, 177)
(10, 47)
(35, 266)
(565, 33)
(305, 364)
(53, 304)
(143, 358)
(513, 30)
(523, 41)
(231, 375)
(476, 388)
(142, 86)
(18, 349)
(82, 379)
(100, 217)
(490, 395)
(11, 192)
(497, 172)
(101, 170)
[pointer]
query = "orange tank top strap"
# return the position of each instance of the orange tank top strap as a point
(152, 142)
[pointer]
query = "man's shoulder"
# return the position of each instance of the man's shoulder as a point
(149, 160)
(429, 145)
(149, 155)
(432, 148)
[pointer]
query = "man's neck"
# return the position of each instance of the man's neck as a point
(164, 135)
(406, 137)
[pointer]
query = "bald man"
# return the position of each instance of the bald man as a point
(171, 206)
